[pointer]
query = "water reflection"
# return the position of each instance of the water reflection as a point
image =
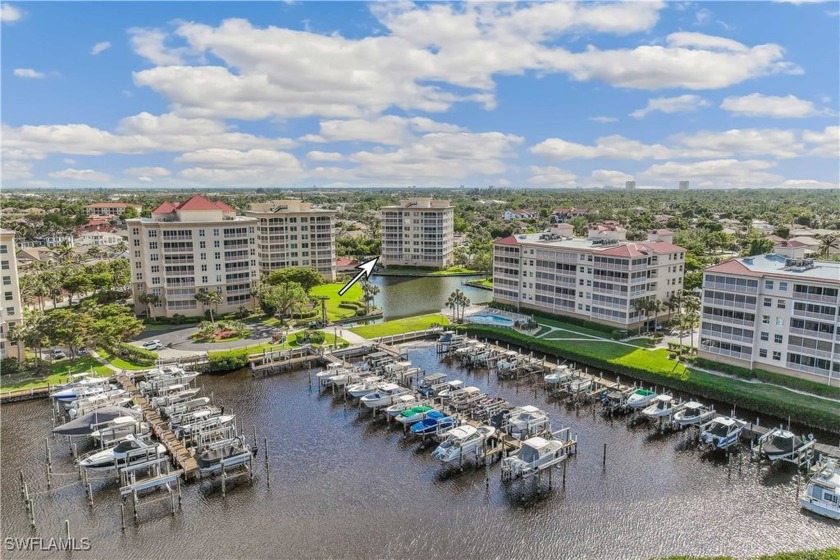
(404, 297)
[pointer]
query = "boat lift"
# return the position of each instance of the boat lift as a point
(568, 447)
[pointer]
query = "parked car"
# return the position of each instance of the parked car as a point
(152, 345)
(84, 352)
(58, 354)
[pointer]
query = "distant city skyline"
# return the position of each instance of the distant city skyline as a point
(211, 95)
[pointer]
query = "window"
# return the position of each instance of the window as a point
(136, 242)
(4, 265)
(218, 267)
(782, 286)
(218, 256)
(780, 304)
(155, 280)
(216, 232)
(201, 233)
(768, 302)
(8, 296)
(580, 282)
(216, 244)
(155, 269)
(153, 257)
(204, 268)
(777, 355)
(778, 339)
(765, 336)
(218, 279)
(152, 233)
(136, 254)
(204, 279)
(4, 249)
(202, 244)
(762, 353)
(153, 245)
(780, 321)
(765, 319)
(7, 280)
(10, 311)
(204, 256)
(768, 284)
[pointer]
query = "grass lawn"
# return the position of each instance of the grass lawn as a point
(57, 374)
(570, 327)
(456, 270)
(334, 312)
(119, 362)
(291, 342)
(400, 326)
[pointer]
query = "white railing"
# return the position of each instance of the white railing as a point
(730, 287)
(724, 303)
(727, 320)
(726, 336)
(809, 351)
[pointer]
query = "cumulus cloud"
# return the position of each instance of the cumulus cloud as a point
(150, 44)
(551, 176)
(758, 105)
(389, 129)
(28, 73)
(603, 119)
(603, 177)
(99, 47)
(316, 155)
(720, 173)
(80, 175)
(10, 14)
(231, 167)
(147, 171)
(826, 143)
(13, 169)
(680, 104)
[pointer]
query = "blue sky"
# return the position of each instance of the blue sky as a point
(205, 94)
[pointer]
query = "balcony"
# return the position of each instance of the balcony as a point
(723, 303)
(724, 352)
(607, 266)
(167, 238)
(815, 297)
(728, 320)
(811, 315)
(808, 369)
(730, 287)
(813, 334)
(726, 336)
(805, 351)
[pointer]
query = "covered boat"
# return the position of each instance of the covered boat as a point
(659, 407)
(132, 447)
(526, 421)
(84, 425)
(822, 496)
(384, 395)
(778, 444)
(433, 423)
(229, 451)
(640, 398)
(462, 441)
(535, 455)
(693, 414)
(722, 432)
(414, 414)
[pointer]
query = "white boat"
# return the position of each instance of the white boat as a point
(779, 444)
(227, 453)
(660, 406)
(640, 398)
(385, 395)
(174, 397)
(132, 447)
(526, 421)
(81, 388)
(193, 416)
(822, 496)
(368, 385)
(163, 371)
(85, 424)
(722, 432)
(462, 441)
(465, 396)
(535, 455)
(693, 414)
(414, 414)
(92, 400)
(510, 360)
(209, 423)
(446, 389)
(331, 370)
(401, 403)
(118, 428)
(579, 385)
(560, 374)
(347, 376)
(186, 406)
(164, 384)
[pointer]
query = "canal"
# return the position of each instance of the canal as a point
(346, 486)
(404, 297)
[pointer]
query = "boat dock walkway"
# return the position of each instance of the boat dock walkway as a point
(180, 454)
(755, 431)
(25, 394)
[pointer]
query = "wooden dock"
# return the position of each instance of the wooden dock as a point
(181, 456)
(25, 394)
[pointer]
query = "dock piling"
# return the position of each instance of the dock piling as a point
(604, 462)
(267, 475)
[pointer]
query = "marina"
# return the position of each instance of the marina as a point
(595, 491)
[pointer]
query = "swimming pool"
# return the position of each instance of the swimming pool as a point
(490, 320)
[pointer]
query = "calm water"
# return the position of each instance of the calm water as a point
(344, 486)
(405, 297)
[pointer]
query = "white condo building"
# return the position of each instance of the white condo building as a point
(777, 312)
(192, 246)
(291, 233)
(418, 232)
(597, 278)
(12, 310)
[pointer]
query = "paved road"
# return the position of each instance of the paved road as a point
(180, 340)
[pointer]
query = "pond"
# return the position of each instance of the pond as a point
(404, 297)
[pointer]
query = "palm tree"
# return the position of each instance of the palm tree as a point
(639, 306)
(63, 252)
(692, 307)
(201, 297)
(213, 300)
(827, 243)
(323, 300)
(671, 305)
(658, 306)
(451, 303)
(369, 291)
(148, 300)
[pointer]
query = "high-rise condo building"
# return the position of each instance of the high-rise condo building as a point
(12, 310)
(418, 232)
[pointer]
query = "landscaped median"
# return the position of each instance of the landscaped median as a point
(654, 366)
(400, 326)
(230, 360)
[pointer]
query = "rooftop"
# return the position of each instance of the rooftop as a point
(602, 247)
(772, 264)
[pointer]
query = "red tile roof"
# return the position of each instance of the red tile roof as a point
(197, 202)
(509, 240)
(791, 243)
(344, 261)
(224, 207)
(732, 266)
(164, 208)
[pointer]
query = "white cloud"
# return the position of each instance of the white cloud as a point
(680, 104)
(603, 120)
(797, 2)
(99, 47)
(827, 142)
(147, 171)
(15, 169)
(614, 146)
(553, 176)
(807, 184)
(390, 129)
(149, 43)
(28, 73)
(10, 14)
(758, 105)
(720, 173)
(79, 175)
(702, 16)
(315, 155)
(603, 177)
(69, 161)
(749, 141)
(237, 167)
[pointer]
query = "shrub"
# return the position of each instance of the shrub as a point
(360, 313)
(227, 362)
(139, 356)
(9, 365)
(570, 320)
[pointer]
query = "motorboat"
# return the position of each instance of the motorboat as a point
(193, 416)
(722, 432)
(434, 422)
(229, 452)
(175, 397)
(331, 370)
(385, 395)
(104, 397)
(414, 414)
(778, 444)
(369, 385)
(660, 407)
(560, 374)
(822, 496)
(509, 360)
(164, 384)
(208, 423)
(579, 385)
(121, 455)
(465, 397)
(81, 388)
(462, 441)
(447, 389)
(640, 398)
(614, 401)
(186, 406)
(118, 428)
(163, 371)
(347, 377)
(535, 455)
(401, 403)
(83, 425)
(693, 414)
(425, 383)
(525, 421)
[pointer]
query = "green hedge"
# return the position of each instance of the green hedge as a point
(225, 363)
(612, 331)
(772, 377)
(351, 305)
(825, 554)
(134, 354)
(764, 399)
(176, 319)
